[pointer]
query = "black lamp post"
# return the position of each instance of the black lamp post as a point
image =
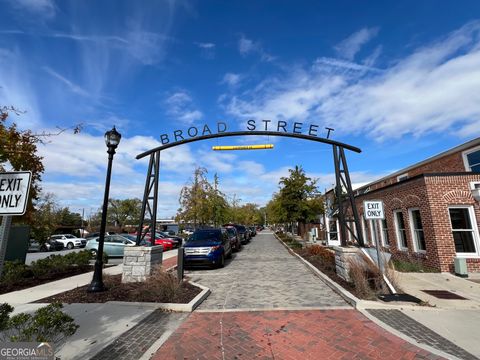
(112, 139)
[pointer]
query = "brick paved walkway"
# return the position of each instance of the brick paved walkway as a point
(289, 335)
(408, 326)
(133, 343)
(264, 275)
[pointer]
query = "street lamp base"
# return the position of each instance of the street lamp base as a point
(96, 286)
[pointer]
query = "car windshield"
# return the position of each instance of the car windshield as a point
(242, 228)
(70, 236)
(205, 235)
(230, 231)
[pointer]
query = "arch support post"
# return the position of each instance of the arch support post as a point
(148, 214)
(344, 198)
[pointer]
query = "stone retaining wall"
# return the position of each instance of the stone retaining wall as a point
(343, 256)
(139, 261)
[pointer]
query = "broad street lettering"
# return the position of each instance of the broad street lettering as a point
(252, 125)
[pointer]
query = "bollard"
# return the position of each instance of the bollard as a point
(180, 264)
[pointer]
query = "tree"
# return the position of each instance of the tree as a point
(18, 151)
(248, 214)
(202, 203)
(45, 220)
(124, 212)
(299, 197)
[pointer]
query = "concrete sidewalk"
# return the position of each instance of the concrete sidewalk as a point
(100, 324)
(455, 320)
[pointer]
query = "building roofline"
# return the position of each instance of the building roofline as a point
(416, 177)
(461, 147)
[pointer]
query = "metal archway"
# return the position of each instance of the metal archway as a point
(342, 178)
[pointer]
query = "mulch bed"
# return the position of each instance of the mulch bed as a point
(116, 291)
(30, 282)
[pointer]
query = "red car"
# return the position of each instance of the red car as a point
(167, 244)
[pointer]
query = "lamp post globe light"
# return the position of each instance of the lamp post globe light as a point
(112, 139)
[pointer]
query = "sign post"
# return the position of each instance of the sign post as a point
(14, 189)
(373, 210)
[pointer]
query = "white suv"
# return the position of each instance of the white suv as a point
(69, 241)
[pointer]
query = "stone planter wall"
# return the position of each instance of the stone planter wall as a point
(343, 256)
(139, 261)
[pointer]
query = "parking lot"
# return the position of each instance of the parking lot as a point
(264, 276)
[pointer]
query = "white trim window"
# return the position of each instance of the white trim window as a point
(384, 232)
(416, 228)
(471, 159)
(400, 230)
(464, 230)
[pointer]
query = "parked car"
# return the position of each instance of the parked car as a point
(97, 234)
(166, 243)
(188, 231)
(53, 245)
(207, 247)
(69, 241)
(113, 245)
(177, 240)
(234, 239)
(241, 231)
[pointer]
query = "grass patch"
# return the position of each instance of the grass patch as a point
(407, 266)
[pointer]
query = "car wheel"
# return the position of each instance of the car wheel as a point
(229, 256)
(221, 263)
(70, 246)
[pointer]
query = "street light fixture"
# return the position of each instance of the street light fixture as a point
(112, 139)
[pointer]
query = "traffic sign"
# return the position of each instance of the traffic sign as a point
(14, 189)
(373, 210)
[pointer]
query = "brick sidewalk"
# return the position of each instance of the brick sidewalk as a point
(289, 335)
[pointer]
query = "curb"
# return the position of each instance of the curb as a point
(192, 305)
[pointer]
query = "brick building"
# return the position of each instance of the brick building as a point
(432, 210)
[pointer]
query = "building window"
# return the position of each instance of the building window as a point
(417, 230)
(401, 231)
(471, 158)
(333, 232)
(402, 177)
(384, 232)
(463, 230)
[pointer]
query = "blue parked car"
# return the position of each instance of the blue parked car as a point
(207, 247)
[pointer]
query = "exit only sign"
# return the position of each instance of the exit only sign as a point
(373, 210)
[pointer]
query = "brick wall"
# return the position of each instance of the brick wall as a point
(432, 196)
(449, 163)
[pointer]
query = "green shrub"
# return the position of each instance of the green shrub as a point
(15, 271)
(407, 266)
(47, 324)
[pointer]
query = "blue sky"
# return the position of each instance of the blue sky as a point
(399, 80)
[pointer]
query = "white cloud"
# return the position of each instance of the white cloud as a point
(207, 45)
(434, 89)
(43, 8)
(349, 47)
(73, 87)
(247, 46)
(231, 79)
(180, 106)
(16, 89)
